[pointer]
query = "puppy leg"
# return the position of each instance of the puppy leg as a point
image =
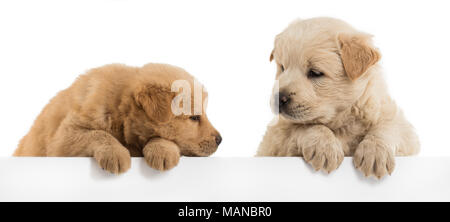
(374, 156)
(320, 148)
(107, 150)
(161, 154)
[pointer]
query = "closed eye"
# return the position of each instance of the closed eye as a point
(280, 67)
(195, 118)
(312, 74)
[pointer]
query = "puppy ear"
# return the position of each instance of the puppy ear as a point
(271, 56)
(357, 53)
(155, 100)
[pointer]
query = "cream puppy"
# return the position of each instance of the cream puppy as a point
(333, 102)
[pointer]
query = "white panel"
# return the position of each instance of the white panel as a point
(220, 179)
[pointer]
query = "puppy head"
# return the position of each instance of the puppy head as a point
(156, 98)
(323, 68)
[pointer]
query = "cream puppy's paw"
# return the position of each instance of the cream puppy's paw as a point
(325, 155)
(373, 158)
(114, 160)
(322, 149)
(161, 154)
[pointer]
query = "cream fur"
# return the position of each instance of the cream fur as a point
(346, 112)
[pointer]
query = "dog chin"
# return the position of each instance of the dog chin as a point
(199, 153)
(298, 119)
(291, 118)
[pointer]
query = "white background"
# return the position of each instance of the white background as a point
(45, 45)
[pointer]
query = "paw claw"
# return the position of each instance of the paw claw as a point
(377, 159)
(116, 160)
(326, 156)
(162, 158)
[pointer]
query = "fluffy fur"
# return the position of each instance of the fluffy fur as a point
(115, 112)
(345, 112)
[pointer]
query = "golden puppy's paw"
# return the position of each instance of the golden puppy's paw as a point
(116, 160)
(374, 159)
(162, 155)
(324, 154)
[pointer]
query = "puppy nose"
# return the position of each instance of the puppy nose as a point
(283, 99)
(218, 139)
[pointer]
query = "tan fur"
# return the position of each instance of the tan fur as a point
(346, 112)
(356, 53)
(116, 111)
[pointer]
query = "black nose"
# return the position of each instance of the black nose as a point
(283, 99)
(218, 139)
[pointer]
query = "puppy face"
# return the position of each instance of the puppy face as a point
(192, 132)
(321, 64)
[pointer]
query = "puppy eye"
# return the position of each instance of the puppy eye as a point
(314, 74)
(194, 118)
(282, 68)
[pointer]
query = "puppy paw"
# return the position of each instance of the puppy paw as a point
(324, 154)
(116, 160)
(161, 154)
(374, 159)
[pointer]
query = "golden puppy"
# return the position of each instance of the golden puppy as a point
(116, 111)
(333, 102)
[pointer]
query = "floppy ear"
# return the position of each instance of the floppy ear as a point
(357, 53)
(155, 100)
